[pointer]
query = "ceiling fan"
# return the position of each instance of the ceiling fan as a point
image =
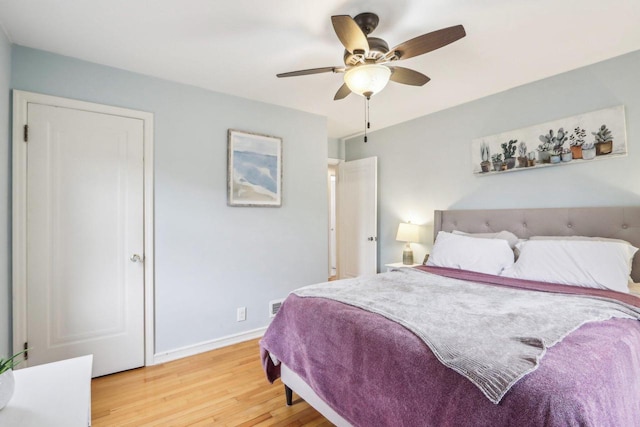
(368, 59)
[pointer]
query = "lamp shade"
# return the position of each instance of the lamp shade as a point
(408, 232)
(368, 79)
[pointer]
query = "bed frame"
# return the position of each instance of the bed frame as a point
(292, 381)
(612, 222)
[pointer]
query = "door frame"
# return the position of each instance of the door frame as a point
(331, 162)
(19, 222)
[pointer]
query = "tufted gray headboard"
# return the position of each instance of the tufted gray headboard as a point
(613, 222)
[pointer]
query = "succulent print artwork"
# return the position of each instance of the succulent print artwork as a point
(537, 146)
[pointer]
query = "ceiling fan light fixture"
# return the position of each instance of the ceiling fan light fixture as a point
(367, 80)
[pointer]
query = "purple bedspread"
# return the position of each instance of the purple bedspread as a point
(374, 372)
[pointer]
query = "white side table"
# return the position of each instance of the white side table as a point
(399, 265)
(54, 395)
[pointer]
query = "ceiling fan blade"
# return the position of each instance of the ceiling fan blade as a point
(350, 34)
(342, 92)
(428, 42)
(312, 71)
(407, 76)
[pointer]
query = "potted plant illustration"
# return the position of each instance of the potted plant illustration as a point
(566, 155)
(576, 140)
(7, 382)
(552, 145)
(588, 150)
(531, 161)
(485, 155)
(603, 141)
(544, 149)
(522, 155)
(558, 142)
(496, 159)
(509, 150)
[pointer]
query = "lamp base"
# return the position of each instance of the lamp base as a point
(407, 255)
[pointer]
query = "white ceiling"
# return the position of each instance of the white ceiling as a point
(238, 46)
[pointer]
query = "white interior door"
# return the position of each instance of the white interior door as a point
(357, 217)
(85, 238)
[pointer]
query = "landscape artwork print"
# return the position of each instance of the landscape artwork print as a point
(581, 139)
(254, 169)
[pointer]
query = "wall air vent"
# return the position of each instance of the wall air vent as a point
(274, 306)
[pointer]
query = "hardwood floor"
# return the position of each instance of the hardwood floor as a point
(224, 387)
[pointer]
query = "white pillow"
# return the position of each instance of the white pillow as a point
(587, 263)
(511, 238)
(585, 238)
(489, 256)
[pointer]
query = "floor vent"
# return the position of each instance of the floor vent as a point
(274, 306)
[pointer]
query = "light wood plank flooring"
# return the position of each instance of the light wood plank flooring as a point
(224, 387)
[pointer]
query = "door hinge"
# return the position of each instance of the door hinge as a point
(26, 133)
(26, 351)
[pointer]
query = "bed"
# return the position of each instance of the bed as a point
(357, 367)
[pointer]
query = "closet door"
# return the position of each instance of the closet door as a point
(85, 237)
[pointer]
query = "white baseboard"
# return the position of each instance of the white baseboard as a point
(192, 350)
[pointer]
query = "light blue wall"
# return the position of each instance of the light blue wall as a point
(5, 204)
(210, 258)
(336, 148)
(425, 164)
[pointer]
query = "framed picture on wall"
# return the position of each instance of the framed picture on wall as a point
(254, 166)
(580, 139)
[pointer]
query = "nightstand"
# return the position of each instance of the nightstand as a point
(399, 265)
(57, 394)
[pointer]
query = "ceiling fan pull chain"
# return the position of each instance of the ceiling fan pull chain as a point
(366, 118)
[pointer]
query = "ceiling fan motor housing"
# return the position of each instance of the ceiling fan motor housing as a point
(367, 22)
(377, 49)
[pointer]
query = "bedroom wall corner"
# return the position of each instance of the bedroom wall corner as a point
(436, 148)
(5, 194)
(336, 148)
(209, 258)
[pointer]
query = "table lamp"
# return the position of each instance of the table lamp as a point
(408, 233)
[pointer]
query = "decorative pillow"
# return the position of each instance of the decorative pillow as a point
(489, 256)
(511, 238)
(588, 263)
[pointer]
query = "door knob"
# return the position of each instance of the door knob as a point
(136, 258)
